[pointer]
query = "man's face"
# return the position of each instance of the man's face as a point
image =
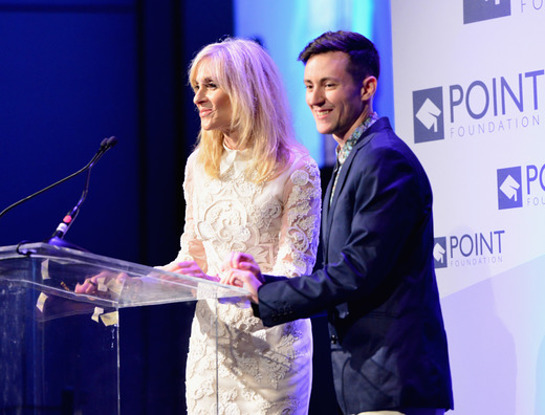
(332, 95)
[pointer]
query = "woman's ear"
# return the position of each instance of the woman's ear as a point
(368, 88)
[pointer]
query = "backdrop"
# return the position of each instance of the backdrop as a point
(469, 90)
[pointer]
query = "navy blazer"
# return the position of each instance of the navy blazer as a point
(389, 348)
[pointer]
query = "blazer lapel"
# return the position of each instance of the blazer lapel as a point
(328, 212)
(340, 182)
(325, 212)
(343, 175)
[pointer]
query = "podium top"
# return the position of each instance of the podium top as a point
(55, 271)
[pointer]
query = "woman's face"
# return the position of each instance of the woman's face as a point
(213, 103)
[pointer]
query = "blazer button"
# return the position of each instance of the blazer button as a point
(334, 339)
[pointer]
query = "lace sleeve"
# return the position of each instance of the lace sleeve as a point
(191, 247)
(300, 221)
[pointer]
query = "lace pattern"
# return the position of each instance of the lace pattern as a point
(261, 370)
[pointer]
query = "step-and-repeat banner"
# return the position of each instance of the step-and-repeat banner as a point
(469, 93)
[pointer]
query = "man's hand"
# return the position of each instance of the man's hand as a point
(241, 270)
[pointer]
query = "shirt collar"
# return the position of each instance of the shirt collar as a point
(344, 151)
(235, 159)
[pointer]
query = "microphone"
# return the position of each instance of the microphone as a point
(57, 238)
(105, 145)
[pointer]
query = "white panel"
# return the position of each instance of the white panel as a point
(469, 99)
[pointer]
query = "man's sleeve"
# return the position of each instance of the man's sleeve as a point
(387, 206)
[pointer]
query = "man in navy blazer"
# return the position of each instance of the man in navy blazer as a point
(388, 343)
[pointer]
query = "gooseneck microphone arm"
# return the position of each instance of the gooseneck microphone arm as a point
(62, 228)
(103, 148)
(105, 145)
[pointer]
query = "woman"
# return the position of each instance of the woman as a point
(248, 187)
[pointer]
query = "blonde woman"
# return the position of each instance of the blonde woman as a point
(248, 187)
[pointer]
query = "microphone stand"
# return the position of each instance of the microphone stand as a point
(57, 239)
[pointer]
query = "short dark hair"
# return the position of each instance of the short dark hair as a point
(364, 59)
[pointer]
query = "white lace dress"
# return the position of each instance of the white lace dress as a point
(261, 370)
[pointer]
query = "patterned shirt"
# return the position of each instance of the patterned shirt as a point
(344, 151)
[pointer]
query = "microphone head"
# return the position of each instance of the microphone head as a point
(112, 141)
(104, 143)
(107, 143)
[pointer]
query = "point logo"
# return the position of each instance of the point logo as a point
(428, 115)
(468, 249)
(521, 186)
(503, 103)
(440, 252)
(510, 188)
(479, 10)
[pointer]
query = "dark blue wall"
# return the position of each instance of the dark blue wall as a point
(69, 78)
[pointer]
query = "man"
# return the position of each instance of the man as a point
(388, 344)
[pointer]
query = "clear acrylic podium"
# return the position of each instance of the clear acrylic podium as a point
(59, 350)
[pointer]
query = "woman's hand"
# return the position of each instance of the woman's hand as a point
(89, 286)
(105, 284)
(241, 270)
(190, 268)
(242, 261)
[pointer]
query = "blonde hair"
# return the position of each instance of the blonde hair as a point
(260, 116)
